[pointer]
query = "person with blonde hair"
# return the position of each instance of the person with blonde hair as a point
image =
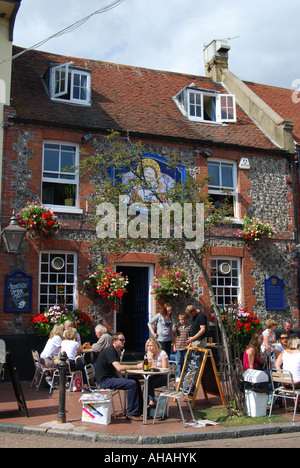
(52, 346)
(289, 359)
(158, 359)
(269, 336)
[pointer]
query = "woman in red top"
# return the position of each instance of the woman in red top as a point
(252, 355)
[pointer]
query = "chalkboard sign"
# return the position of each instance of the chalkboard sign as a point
(10, 364)
(18, 292)
(201, 360)
(274, 294)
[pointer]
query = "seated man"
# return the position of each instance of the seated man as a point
(108, 375)
(104, 339)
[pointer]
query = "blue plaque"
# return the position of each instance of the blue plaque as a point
(274, 294)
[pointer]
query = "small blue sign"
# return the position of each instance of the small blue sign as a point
(18, 292)
(274, 294)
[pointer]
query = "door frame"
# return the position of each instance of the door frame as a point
(151, 269)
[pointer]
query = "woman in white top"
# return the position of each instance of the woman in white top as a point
(269, 337)
(52, 346)
(159, 359)
(72, 348)
(289, 360)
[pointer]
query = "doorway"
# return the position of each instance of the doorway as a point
(132, 317)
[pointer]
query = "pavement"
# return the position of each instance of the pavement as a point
(43, 420)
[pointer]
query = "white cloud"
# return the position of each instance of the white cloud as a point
(169, 34)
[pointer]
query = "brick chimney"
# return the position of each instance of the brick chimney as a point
(216, 58)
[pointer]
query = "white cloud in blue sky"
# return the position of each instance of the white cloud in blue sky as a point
(170, 34)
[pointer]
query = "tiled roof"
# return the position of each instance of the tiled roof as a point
(280, 100)
(125, 98)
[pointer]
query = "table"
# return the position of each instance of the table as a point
(89, 352)
(146, 375)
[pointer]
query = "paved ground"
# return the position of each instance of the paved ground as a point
(16, 428)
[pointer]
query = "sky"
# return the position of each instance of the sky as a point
(170, 34)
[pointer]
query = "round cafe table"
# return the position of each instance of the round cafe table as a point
(146, 375)
(89, 353)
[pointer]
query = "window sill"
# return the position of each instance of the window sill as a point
(65, 209)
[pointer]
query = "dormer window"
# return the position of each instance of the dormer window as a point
(70, 84)
(206, 106)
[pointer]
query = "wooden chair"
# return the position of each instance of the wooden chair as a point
(93, 387)
(282, 377)
(40, 370)
(179, 396)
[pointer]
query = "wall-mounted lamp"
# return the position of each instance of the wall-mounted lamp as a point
(206, 153)
(13, 235)
(87, 137)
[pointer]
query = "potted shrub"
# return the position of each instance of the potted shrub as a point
(175, 282)
(106, 283)
(58, 314)
(39, 221)
(255, 230)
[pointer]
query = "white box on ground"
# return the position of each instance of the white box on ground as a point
(96, 408)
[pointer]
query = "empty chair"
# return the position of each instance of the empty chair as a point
(40, 370)
(284, 378)
(179, 396)
(93, 387)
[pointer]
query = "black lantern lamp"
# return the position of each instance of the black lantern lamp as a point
(13, 235)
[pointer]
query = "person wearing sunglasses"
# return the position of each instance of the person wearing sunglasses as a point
(109, 375)
(282, 344)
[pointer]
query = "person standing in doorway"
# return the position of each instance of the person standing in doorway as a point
(198, 338)
(164, 334)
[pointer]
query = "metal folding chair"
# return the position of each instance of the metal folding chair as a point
(284, 378)
(40, 370)
(179, 396)
(93, 387)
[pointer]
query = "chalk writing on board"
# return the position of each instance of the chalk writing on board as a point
(18, 292)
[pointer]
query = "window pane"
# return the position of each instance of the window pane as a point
(51, 159)
(227, 175)
(213, 170)
(55, 288)
(67, 158)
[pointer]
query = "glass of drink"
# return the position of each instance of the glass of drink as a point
(210, 340)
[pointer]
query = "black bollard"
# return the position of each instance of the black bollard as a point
(61, 416)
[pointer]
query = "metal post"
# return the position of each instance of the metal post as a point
(61, 416)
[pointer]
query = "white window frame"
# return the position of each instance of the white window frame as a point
(58, 282)
(218, 110)
(75, 181)
(64, 75)
(221, 286)
(219, 189)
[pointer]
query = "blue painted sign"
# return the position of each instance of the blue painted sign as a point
(18, 292)
(274, 294)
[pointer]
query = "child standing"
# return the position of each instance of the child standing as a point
(182, 332)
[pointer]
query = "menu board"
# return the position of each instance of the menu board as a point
(18, 292)
(201, 360)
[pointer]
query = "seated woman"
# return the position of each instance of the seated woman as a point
(52, 346)
(252, 358)
(289, 360)
(159, 359)
(72, 348)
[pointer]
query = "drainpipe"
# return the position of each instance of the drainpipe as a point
(295, 198)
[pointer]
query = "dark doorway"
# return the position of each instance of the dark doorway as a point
(132, 317)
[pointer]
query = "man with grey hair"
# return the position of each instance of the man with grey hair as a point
(104, 339)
